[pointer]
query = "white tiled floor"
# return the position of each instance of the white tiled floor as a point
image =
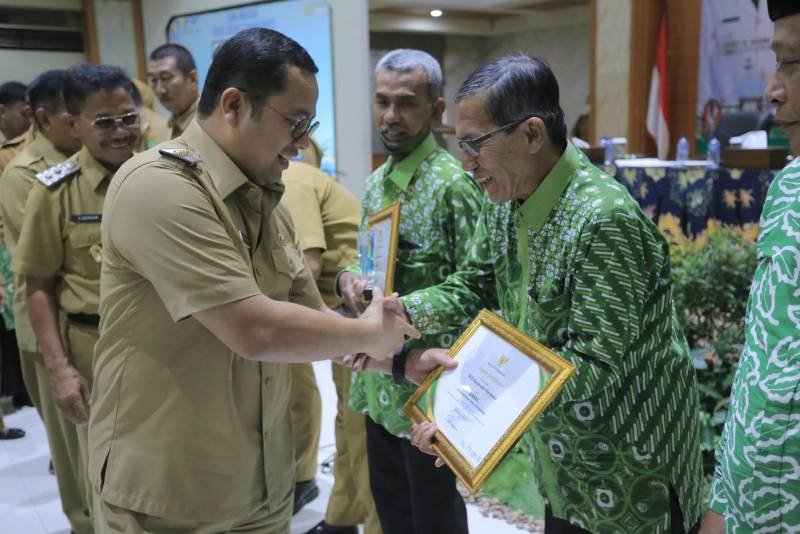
(29, 502)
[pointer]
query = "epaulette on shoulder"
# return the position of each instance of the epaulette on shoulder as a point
(58, 172)
(181, 154)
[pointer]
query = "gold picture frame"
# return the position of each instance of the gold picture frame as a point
(386, 226)
(514, 345)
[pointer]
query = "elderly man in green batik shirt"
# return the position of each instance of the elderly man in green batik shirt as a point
(574, 263)
(757, 480)
(438, 204)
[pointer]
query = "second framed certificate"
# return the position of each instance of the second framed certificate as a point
(384, 226)
(503, 382)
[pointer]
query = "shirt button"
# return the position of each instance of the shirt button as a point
(267, 381)
(258, 272)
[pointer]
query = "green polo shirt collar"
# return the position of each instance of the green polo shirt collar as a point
(537, 207)
(404, 171)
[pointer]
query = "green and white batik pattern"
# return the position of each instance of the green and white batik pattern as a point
(581, 269)
(757, 482)
(439, 207)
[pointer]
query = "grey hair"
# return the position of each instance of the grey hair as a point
(407, 59)
(517, 85)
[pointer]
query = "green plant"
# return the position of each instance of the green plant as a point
(711, 285)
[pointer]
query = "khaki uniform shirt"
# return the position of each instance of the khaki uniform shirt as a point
(60, 234)
(14, 146)
(179, 123)
(154, 130)
(15, 185)
(326, 216)
(184, 427)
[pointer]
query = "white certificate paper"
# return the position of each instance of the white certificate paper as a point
(381, 251)
(476, 403)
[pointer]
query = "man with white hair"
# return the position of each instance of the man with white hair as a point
(438, 203)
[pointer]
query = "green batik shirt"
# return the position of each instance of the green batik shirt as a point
(579, 267)
(757, 479)
(8, 276)
(439, 207)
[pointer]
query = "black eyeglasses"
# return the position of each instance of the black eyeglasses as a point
(473, 146)
(105, 124)
(300, 127)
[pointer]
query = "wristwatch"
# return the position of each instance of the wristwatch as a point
(399, 365)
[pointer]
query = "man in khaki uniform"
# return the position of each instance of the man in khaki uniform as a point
(59, 248)
(52, 144)
(154, 126)
(173, 76)
(190, 428)
(15, 121)
(326, 218)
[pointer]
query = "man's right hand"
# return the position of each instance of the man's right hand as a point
(351, 287)
(391, 326)
(71, 393)
(713, 523)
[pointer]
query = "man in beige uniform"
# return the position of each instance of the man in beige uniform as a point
(326, 217)
(15, 121)
(52, 144)
(190, 428)
(59, 248)
(173, 76)
(153, 125)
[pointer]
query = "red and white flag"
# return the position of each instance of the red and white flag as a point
(658, 104)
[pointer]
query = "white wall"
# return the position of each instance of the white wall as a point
(565, 48)
(351, 75)
(115, 36)
(24, 65)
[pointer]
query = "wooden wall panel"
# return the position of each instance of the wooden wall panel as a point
(138, 34)
(593, 73)
(684, 63)
(91, 43)
(683, 45)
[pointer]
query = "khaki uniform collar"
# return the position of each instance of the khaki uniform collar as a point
(22, 138)
(182, 121)
(92, 171)
(41, 146)
(225, 174)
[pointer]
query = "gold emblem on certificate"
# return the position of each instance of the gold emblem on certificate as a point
(503, 382)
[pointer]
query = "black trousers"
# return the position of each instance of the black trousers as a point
(556, 525)
(412, 496)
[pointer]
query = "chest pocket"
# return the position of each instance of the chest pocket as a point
(83, 251)
(548, 318)
(287, 265)
(418, 268)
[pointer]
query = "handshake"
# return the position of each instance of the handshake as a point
(388, 314)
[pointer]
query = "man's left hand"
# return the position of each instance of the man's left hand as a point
(419, 363)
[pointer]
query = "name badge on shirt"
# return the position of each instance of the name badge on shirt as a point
(87, 218)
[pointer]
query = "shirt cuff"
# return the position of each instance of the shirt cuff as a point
(421, 313)
(351, 269)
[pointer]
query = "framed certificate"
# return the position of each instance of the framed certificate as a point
(384, 226)
(503, 382)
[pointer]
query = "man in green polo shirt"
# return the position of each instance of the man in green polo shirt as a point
(573, 262)
(438, 202)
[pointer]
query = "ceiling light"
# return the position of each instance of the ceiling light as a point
(436, 13)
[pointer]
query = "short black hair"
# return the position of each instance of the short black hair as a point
(47, 91)
(517, 85)
(82, 81)
(12, 92)
(183, 58)
(255, 60)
